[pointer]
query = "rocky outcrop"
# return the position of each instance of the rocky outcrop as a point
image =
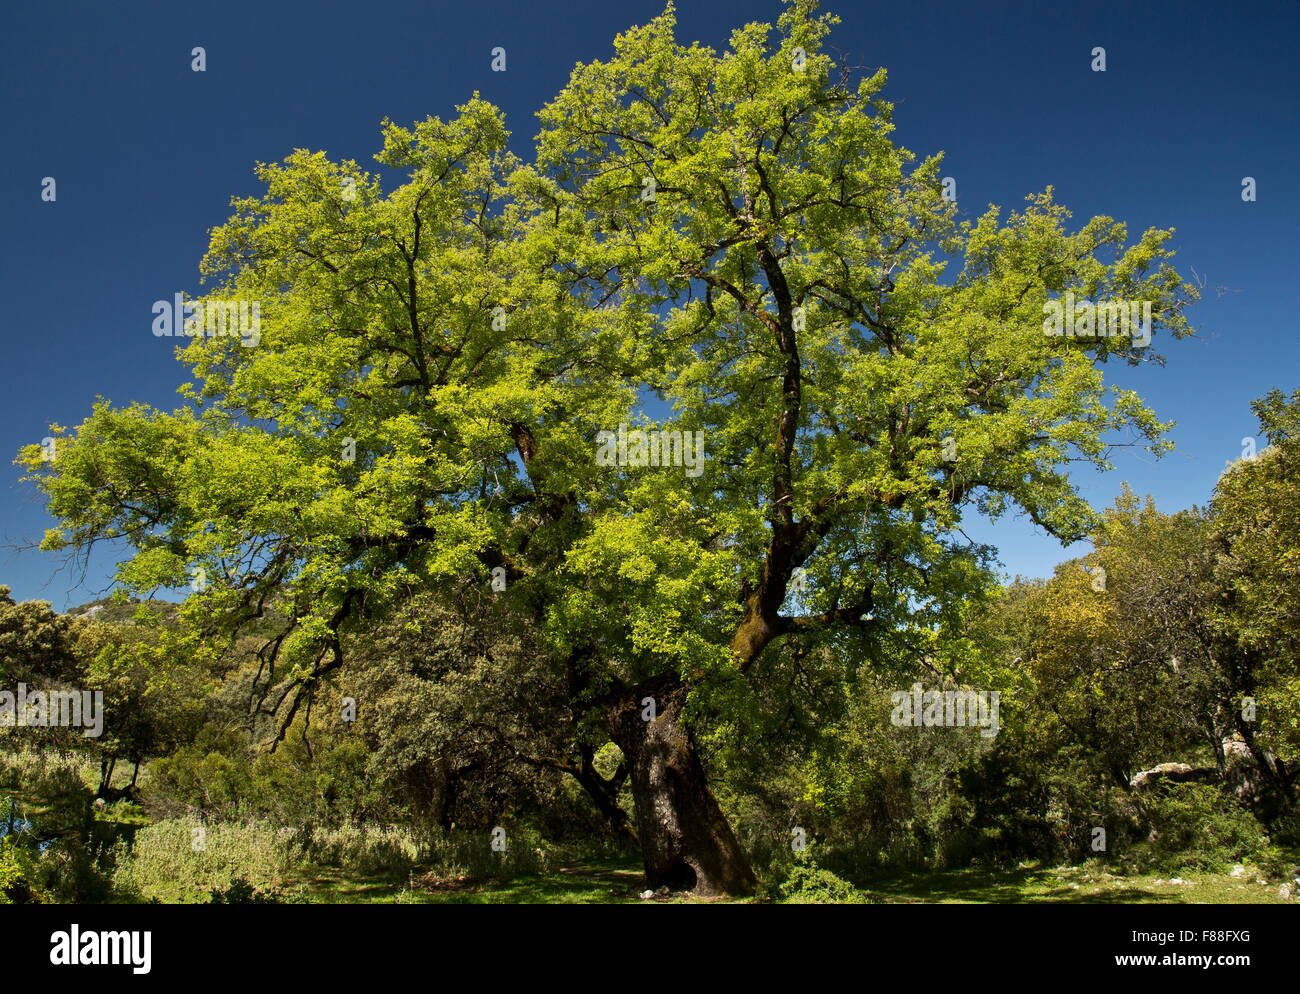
(1173, 773)
(1241, 774)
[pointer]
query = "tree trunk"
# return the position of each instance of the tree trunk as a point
(685, 839)
(604, 794)
(106, 776)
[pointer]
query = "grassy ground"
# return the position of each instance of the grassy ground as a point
(1073, 885)
(621, 882)
(591, 882)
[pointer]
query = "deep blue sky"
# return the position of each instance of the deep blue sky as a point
(147, 153)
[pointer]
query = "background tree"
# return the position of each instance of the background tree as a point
(36, 643)
(155, 678)
(1255, 550)
(38, 648)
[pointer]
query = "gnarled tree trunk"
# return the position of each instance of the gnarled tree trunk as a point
(685, 839)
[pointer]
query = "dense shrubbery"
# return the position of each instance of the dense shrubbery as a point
(187, 861)
(183, 860)
(1198, 827)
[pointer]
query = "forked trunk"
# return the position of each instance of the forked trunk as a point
(604, 794)
(685, 839)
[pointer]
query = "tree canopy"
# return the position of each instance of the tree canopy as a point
(724, 242)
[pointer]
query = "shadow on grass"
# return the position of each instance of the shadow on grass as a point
(589, 882)
(1024, 885)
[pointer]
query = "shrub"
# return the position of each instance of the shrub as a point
(57, 781)
(162, 861)
(808, 883)
(1198, 827)
(469, 853)
(369, 848)
(365, 848)
(20, 872)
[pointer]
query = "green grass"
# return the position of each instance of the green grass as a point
(620, 882)
(1071, 885)
(590, 882)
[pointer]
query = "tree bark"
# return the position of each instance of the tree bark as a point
(685, 839)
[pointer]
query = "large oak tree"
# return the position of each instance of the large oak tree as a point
(730, 234)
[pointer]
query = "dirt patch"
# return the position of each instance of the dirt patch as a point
(440, 884)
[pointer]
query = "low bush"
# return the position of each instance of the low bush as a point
(175, 862)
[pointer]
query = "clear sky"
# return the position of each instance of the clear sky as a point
(146, 154)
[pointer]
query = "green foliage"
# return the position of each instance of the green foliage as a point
(365, 848)
(203, 779)
(155, 676)
(36, 643)
(241, 891)
(462, 853)
(437, 356)
(807, 883)
(223, 776)
(21, 878)
(164, 862)
(472, 327)
(1256, 546)
(58, 781)
(1198, 827)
